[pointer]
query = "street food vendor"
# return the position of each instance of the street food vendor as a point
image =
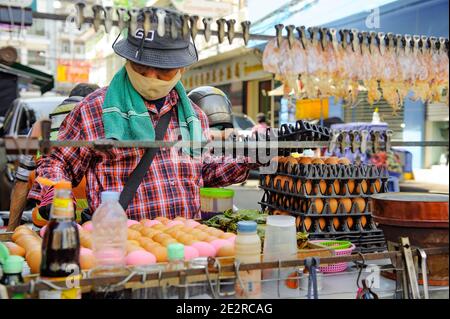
(140, 93)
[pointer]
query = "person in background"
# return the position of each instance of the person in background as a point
(261, 125)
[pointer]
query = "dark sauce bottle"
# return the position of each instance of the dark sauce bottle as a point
(61, 247)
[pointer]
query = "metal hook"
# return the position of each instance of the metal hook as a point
(237, 265)
(208, 278)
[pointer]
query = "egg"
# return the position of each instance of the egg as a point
(173, 232)
(133, 234)
(217, 232)
(15, 249)
(350, 222)
(160, 253)
(322, 223)
(290, 164)
(191, 223)
(133, 242)
(33, 259)
(140, 258)
(205, 249)
(185, 238)
(336, 223)
(180, 218)
(333, 160)
(346, 203)
(305, 160)
(267, 180)
(88, 226)
(149, 232)
(344, 161)
(218, 243)
(351, 186)
(277, 182)
(363, 187)
(322, 188)
(290, 182)
(87, 258)
(175, 223)
(363, 221)
(298, 222)
(226, 251)
(375, 187)
(333, 204)
(317, 161)
(150, 223)
(29, 242)
(361, 203)
(337, 187)
(190, 252)
(319, 205)
(308, 187)
(307, 223)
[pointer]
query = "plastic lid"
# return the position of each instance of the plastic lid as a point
(280, 221)
(4, 253)
(63, 184)
(13, 265)
(246, 226)
(216, 192)
(108, 195)
(175, 251)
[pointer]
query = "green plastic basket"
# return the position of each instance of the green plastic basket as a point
(336, 244)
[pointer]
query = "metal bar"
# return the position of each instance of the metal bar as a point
(226, 268)
(28, 145)
(423, 266)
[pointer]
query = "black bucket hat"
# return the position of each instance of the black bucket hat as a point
(155, 51)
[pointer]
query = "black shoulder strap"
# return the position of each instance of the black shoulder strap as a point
(136, 177)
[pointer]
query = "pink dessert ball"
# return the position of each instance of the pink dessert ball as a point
(86, 251)
(190, 253)
(219, 243)
(140, 258)
(174, 222)
(191, 223)
(88, 226)
(150, 223)
(204, 249)
(131, 222)
(42, 231)
(231, 239)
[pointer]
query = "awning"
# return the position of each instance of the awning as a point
(43, 80)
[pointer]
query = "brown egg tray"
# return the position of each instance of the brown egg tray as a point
(314, 206)
(333, 171)
(306, 188)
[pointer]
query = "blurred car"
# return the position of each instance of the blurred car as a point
(18, 122)
(243, 124)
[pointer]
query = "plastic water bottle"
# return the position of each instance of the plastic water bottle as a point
(109, 237)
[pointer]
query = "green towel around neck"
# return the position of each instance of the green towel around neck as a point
(126, 117)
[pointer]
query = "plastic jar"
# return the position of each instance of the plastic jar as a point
(215, 201)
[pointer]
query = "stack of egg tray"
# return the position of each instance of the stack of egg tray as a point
(328, 201)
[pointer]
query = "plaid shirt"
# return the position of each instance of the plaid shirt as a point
(170, 188)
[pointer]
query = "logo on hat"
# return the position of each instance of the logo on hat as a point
(140, 33)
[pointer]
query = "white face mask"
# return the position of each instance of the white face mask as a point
(150, 88)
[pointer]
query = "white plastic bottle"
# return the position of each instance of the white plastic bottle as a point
(248, 250)
(109, 235)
